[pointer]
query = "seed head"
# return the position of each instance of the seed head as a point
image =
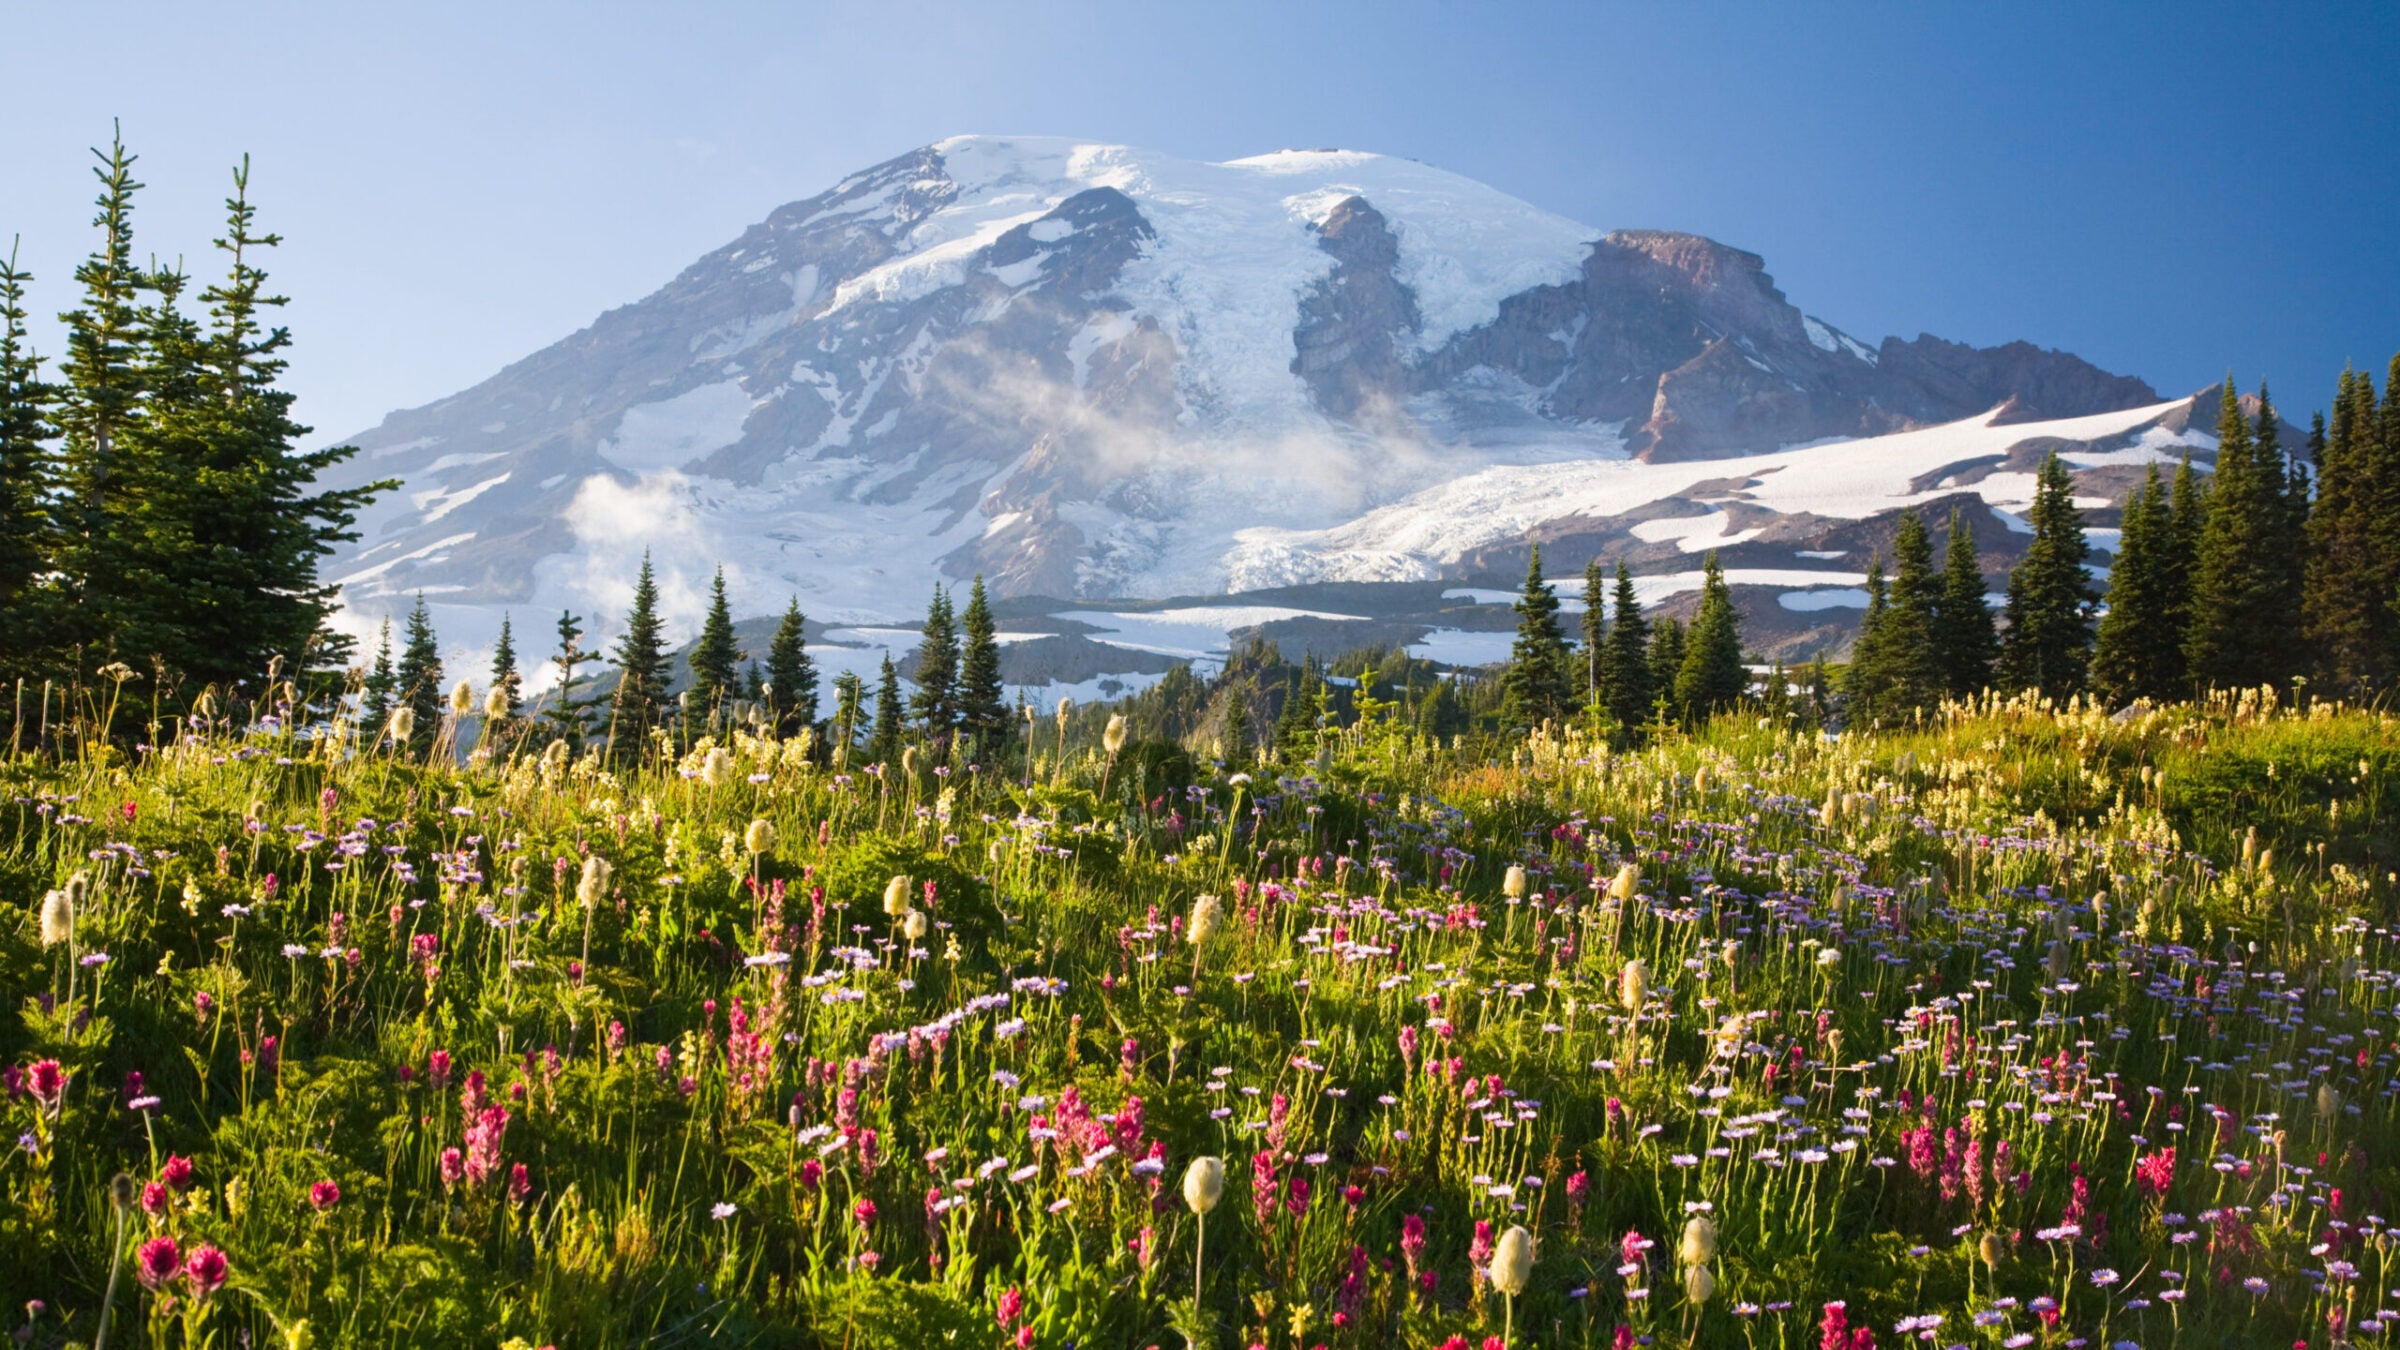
(1512, 1261)
(1203, 1184)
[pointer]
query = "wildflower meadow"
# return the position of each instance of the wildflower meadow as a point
(2028, 1026)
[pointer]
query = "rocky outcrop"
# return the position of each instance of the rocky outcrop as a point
(1352, 322)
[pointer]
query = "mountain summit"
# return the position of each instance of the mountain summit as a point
(1088, 370)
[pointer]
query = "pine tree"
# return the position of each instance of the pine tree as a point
(1964, 638)
(2352, 590)
(2139, 653)
(1896, 669)
(1296, 727)
(376, 698)
(569, 712)
(1666, 661)
(25, 432)
(1628, 657)
(1595, 636)
(507, 693)
(2245, 602)
(935, 702)
(884, 747)
(716, 661)
(982, 702)
(418, 681)
(2048, 644)
(1440, 715)
(100, 397)
(1537, 686)
(791, 675)
(1712, 678)
(1234, 741)
(754, 683)
(643, 673)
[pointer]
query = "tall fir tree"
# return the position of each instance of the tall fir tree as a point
(640, 703)
(2048, 643)
(1666, 661)
(982, 702)
(1712, 678)
(377, 693)
(25, 542)
(1863, 678)
(1593, 660)
(1627, 660)
(1537, 685)
(568, 710)
(1965, 640)
(2245, 600)
(504, 701)
(716, 660)
(2352, 587)
(884, 746)
(418, 680)
(791, 674)
(2139, 651)
(935, 702)
(1897, 670)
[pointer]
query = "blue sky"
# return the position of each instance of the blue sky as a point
(2170, 191)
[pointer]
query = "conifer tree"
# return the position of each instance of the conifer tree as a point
(884, 747)
(2245, 603)
(716, 661)
(1537, 685)
(569, 712)
(419, 681)
(1666, 660)
(1965, 640)
(376, 697)
(1897, 669)
(1234, 740)
(1296, 727)
(982, 702)
(506, 697)
(754, 682)
(1628, 657)
(643, 673)
(1595, 636)
(1440, 716)
(2139, 653)
(101, 396)
(2050, 597)
(935, 702)
(25, 542)
(2352, 588)
(1712, 678)
(1863, 679)
(791, 674)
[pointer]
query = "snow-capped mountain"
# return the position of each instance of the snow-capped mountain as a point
(1091, 371)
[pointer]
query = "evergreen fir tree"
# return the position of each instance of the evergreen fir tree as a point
(1896, 670)
(792, 674)
(1965, 641)
(1712, 678)
(2048, 644)
(643, 673)
(982, 702)
(884, 747)
(1537, 685)
(25, 432)
(2139, 653)
(1666, 661)
(507, 690)
(1628, 657)
(716, 661)
(1296, 727)
(2351, 586)
(376, 697)
(2244, 599)
(1595, 636)
(935, 702)
(1863, 680)
(1440, 715)
(568, 715)
(1234, 740)
(754, 683)
(419, 681)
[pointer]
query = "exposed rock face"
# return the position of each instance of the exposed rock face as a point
(1085, 370)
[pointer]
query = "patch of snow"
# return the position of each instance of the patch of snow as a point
(1463, 647)
(674, 432)
(1819, 336)
(439, 504)
(459, 462)
(1694, 534)
(1821, 555)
